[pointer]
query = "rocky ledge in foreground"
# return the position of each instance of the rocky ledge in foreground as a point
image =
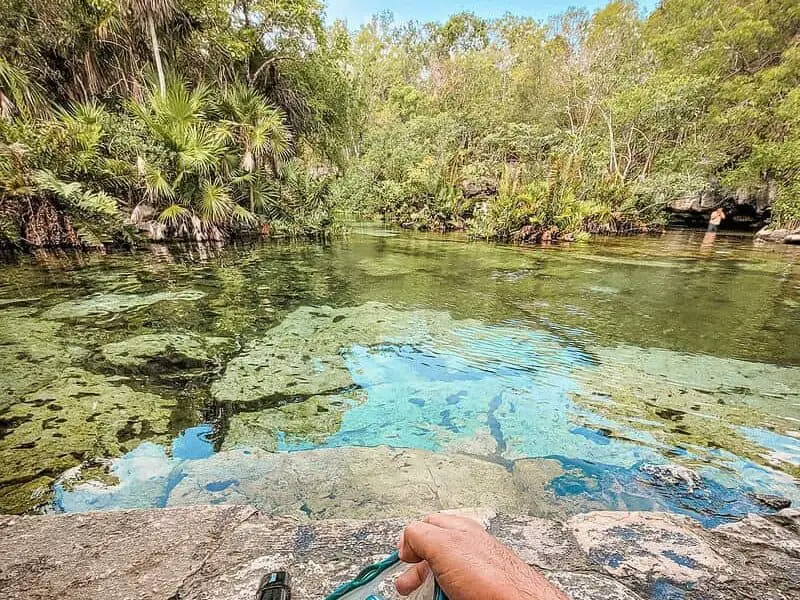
(219, 553)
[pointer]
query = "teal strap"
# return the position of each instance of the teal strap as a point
(370, 574)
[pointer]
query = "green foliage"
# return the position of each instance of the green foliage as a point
(120, 122)
(601, 120)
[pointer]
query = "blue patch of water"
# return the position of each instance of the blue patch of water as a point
(505, 392)
(785, 448)
(508, 387)
(194, 443)
(147, 476)
(220, 486)
(709, 502)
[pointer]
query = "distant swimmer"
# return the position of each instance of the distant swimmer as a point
(717, 217)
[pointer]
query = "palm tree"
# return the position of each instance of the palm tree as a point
(151, 15)
(187, 182)
(261, 137)
(18, 93)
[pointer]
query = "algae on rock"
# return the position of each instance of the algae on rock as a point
(308, 422)
(31, 352)
(699, 403)
(110, 304)
(78, 416)
(301, 357)
(164, 351)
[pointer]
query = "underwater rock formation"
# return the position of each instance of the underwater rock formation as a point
(77, 417)
(699, 405)
(302, 355)
(304, 423)
(155, 352)
(322, 483)
(110, 304)
(32, 354)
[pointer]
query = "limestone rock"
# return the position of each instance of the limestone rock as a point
(682, 399)
(647, 546)
(774, 502)
(308, 422)
(164, 351)
(301, 357)
(785, 236)
(220, 553)
(79, 416)
(110, 304)
(672, 475)
(315, 484)
(32, 354)
(351, 482)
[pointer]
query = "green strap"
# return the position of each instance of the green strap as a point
(370, 574)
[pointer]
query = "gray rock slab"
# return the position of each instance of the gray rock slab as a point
(219, 553)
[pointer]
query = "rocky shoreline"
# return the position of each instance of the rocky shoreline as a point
(779, 236)
(219, 553)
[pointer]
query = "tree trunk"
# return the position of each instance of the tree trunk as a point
(162, 83)
(613, 168)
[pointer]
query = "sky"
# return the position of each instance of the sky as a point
(358, 12)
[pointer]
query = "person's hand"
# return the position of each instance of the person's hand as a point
(468, 563)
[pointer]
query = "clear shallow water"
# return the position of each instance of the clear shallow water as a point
(608, 358)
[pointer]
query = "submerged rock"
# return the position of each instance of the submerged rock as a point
(307, 423)
(701, 406)
(773, 502)
(323, 483)
(78, 416)
(302, 355)
(32, 353)
(110, 304)
(352, 482)
(158, 352)
(672, 475)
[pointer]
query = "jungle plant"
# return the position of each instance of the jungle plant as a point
(185, 175)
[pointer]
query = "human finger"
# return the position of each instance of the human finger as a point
(420, 541)
(456, 522)
(410, 581)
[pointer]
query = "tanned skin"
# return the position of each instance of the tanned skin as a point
(468, 563)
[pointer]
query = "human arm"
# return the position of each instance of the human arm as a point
(468, 563)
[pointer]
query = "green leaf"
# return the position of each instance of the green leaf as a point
(173, 215)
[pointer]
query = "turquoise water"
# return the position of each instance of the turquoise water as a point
(608, 359)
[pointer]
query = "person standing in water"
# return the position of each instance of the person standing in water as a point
(717, 217)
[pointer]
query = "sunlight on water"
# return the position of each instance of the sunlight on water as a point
(647, 389)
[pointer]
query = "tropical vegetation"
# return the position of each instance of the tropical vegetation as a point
(589, 122)
(172, 119)
(204, 119)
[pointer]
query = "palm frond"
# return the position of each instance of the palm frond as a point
(243, 216)
(215, 204)
(18, 92)
(156, 185)
(173, 215)
(201, 148)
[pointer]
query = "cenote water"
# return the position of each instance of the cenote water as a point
(656, 373)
